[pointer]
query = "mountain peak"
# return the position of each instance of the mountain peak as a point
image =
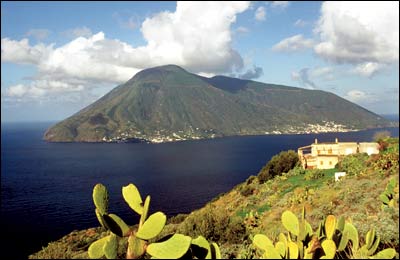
(158, 71)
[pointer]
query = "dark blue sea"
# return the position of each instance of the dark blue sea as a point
(46, 188)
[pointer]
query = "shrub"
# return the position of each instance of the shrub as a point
(247, 190)
(283, 162)
(313, 174)
(296, 171)
(353, 164)
(214, 223)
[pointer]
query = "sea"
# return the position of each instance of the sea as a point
(46, 188)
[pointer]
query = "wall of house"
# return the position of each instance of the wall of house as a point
(369, 148)
(327, 162)
(324, 149)
(347, 148)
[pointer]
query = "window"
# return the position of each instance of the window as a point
(330, 151)
(330, 162)
(319, 152)
(321, 162)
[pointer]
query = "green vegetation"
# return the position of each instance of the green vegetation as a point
(167, 104)
(274, 215)
(353, 164)
(283, 162)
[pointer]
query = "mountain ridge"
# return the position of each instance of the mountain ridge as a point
(167, 103)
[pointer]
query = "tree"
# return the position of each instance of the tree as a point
(283, 162)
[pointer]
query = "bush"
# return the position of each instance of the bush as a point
(296, 171)
(247, 190)
(313, 174)
(283, 162)
(353, 164)
(215, 224)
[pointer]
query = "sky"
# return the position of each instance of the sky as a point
(59, 57)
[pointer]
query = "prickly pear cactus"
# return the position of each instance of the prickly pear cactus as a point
(331, 238)
(173, 248)
(149, 228)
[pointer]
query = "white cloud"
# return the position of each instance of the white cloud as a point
(307, 77)
(260, 14)
(78, 32)
(354, 32)
(359, 96)
(368, 69)
(197, 36)
(292, 44)
(38, 34)
(252, 73)
(242, 29)
(325, 72)
(21, 52)
(302, 76)
(280, 4)
(127, 19)
(300, 23)
(41, 88)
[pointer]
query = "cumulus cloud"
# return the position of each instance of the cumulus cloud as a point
(78, 32)
(368, 69)
(353, 32)
(260, 14)
(22, 53)
(280, 4)
(38, 34)
(292, 44)
(197, 36)
(253, 73)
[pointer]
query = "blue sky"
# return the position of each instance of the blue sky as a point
(59, 57)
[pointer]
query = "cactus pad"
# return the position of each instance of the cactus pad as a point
(352, 234)
(110, 247)
(116, 225)
(201, 242)
(387, 253)
(215, 252)
(262, 241)
(146, 206)
(96, 248)
(330, 226)
(136, 247)
(329, 248)
(290, 222)
(152, 226)
(173, 248)
(100, 218)
(132, 197)
(100, 198)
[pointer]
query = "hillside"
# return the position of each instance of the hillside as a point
(233, 218)
(168, 103)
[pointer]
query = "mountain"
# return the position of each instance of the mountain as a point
(167, 103)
